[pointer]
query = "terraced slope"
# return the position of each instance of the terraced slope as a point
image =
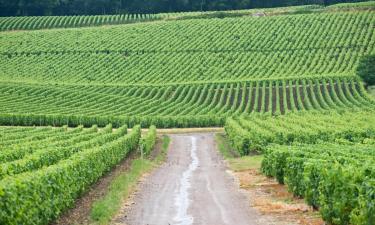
(181, 73)
(230, 49)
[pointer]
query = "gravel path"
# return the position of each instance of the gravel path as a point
(192, 187)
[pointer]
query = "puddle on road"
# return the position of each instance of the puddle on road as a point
(181, 199)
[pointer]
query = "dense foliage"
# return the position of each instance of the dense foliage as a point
(337, 179)
(191, 50)
(47, 22)
(85, 7)
(50, 22)
(188, 105)
(284, 76)
(43, 170)
(147, 142)
(366, 69)
(326, 158)
(255, 133)
(183, 72)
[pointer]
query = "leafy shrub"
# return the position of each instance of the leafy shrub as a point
(148, 141)
(366, 69)
(364, 214)
(336, 179)
(38, 197)
(238, 136)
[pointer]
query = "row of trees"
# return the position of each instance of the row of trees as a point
(91, 7)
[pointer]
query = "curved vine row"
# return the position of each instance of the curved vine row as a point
(208, 103)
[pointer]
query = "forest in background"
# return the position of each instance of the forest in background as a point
(97, 7)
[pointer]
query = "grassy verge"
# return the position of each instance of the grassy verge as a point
(236, 163)
(106, 207)
(246, 162)
(225, 147)
(164, 147)
(371, 90)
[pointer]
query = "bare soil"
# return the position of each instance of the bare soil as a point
(274, 98)
(260, 99)
(195, 186)
(288, 103)
(281, 100)
(252, 103)
(272, 199)
(267, 100)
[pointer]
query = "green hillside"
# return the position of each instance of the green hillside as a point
(77, 21)
(230, 49)
(175, 105)
(282, 82)
(327, 158)
(202, 70)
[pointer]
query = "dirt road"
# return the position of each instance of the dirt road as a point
(192, 187)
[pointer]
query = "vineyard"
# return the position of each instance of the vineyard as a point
(184, 51)
(52, 22)
(186, 72)
(175, 105)
(255, 133)
(339, 180)
(48, 22)
(51, 167)
(282, 82)
(326, 158)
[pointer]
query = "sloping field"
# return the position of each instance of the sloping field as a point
(52, 22)
(48, 22)
(282, 81)
(189, 72)
(230, 49)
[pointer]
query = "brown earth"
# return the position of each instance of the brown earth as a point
(274, 200)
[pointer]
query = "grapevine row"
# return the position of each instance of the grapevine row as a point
(209, 103)
(51, 172)
(255, 133)
(294, 46)
(48, 22)
(339, 180)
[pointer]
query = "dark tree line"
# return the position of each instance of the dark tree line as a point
(89, 7)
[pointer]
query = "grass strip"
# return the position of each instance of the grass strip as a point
(120, 188)
(235, 162)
